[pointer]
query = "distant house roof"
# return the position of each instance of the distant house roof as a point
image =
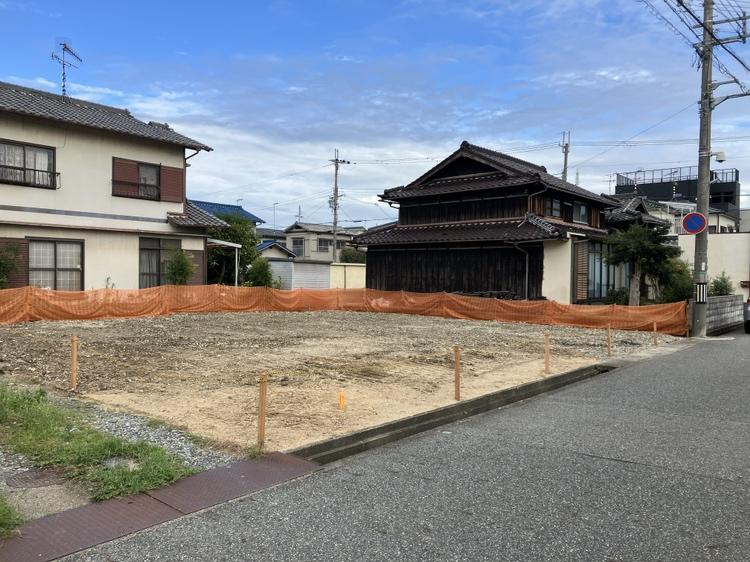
(45, 105)
(508, 171)
(270, 233)
(194, 216)
(273, 244)
(227, 209)
(530, 229)
(324, 228)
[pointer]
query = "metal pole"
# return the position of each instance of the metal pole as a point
(236, 266)
(335, 202)
(700, 261)
(566, 149)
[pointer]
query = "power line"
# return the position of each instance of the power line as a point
(713, 35)
(647, 129)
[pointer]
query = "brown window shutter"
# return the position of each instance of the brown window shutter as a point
(124, 177)
(172, 184)
(18, 247)
(581, 271)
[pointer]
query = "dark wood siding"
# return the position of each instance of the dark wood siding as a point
(19, 277)
(125, 177)
(477, 209)
(456, 269)
(172, 184)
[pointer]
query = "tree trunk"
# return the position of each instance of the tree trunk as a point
(635, 285)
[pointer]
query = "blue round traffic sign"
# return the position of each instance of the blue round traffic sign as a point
(694, 223)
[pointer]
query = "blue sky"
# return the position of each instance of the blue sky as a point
(275, 86)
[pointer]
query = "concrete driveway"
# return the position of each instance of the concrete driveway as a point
(648, 462)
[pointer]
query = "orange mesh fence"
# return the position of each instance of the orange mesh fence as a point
(28, 303)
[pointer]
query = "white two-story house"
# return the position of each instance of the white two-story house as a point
(92, 197)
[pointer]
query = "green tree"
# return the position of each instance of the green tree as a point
(645, 249)
(221, 259)
(260, 274)
(180, 268)
(721, 285)
(352, 255)
(677, 285)
(7, 265)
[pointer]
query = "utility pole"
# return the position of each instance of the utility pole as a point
(565, 144)
(299, 213)
(334, 200)
(705, 51)
(700, 261)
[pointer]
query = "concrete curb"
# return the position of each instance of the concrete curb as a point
(330, 450)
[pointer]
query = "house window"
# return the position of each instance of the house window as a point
(298, 246)
(144, 180)
(56, 264)
(33, 166)
(148, 181)
(552, 207)
(340, 244)
(601, 275)
(581, 213)
(324, 245)
(154, 255)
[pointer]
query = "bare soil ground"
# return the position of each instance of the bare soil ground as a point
(200, 371)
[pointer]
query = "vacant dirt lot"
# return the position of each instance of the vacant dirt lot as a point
(200, 371)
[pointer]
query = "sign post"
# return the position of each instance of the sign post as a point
(695, 223)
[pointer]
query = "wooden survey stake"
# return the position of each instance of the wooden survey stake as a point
(609, 340)
(457, 372)
(656, 340)
(73, 362)
(262, 410)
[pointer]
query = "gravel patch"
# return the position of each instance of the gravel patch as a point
(12, 465)
(176, 441)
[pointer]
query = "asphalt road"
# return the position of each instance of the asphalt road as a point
(649, 462)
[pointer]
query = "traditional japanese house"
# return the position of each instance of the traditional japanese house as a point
(484, 222)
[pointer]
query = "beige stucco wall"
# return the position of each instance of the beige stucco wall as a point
(558, 265)
(84, 160)
(311, 244)
(107, 256)
(274, 252)
(728, 252)
(348, 275)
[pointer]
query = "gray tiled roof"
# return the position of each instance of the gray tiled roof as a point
(530, 229)
(36, 103)
(194, 216)
(512, 171)
(324, 228)
(513, 230)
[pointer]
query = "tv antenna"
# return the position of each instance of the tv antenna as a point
(65, 49)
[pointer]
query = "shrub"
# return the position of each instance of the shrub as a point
(352, 255)
(677, 284)
(617, 296)
(260, 274)
(7, 265)
(180, 269)
(721, 285)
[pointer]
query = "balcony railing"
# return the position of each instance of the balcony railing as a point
(29, 177)
(684, 173)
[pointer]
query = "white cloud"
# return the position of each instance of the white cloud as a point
(38, 82)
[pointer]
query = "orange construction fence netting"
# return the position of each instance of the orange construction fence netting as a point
(29, 303)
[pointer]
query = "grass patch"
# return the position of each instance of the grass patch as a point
(9, 519)
(49, 435)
